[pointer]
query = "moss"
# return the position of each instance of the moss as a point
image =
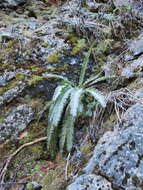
(30, 186)
(2, 90)
(53, 57)
(20, 76)
(35, 79)
(45, 44)
(2, 119)
(81, 44)
(72, 39)
(29, 52)
(28, 35)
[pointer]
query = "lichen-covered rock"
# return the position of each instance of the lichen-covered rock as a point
(118, 155)
(136, 46)
(133, 68)
(12, 93)
(90, 182)
(134, 5)
(16, 121)
(11, 3)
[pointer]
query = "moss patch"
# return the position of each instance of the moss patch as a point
(53, 57)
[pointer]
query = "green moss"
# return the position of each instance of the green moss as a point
(30, 186)
(81, 44)
(53, 57)
(2, 90)
(45, 44)
(20, 76)
(2, 119)
(35, 79)
(72, 39)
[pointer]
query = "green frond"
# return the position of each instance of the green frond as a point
(70, 133)
(66, 124)
(97, 95)
(100, 80)
(92, 79)
(75, 100)
(59, 106)
(54, 76)
(58, 91)
(55, 112)
(85, 64)
(52, 140)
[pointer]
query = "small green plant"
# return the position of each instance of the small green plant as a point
(66, 105)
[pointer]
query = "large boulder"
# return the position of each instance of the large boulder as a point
(118, 154)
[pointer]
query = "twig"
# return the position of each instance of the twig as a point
(6, 164)
(66, 169)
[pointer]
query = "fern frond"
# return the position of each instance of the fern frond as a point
(100, 79)
(56, 109)
(70, 133)
(75, 100)
(54, 76)
(58, 91)
(52, 140)
(97, 95)
(64, 131)
(67, 132)
(85, 64)
(59, 106)
(91, 79)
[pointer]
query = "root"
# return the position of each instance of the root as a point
(8, 160)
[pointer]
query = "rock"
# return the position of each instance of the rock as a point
(90, 182)
(8, 75)
(16, 122)
(11, 3)
(136, 46)
(12, 93)
(134, 67)
(118, 154)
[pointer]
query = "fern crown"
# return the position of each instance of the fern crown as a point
(65, 105)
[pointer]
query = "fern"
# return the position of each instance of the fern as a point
(64, 110)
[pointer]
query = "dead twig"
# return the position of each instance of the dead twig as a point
(7, 162)
(66, 169)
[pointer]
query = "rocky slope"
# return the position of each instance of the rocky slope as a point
(41, 37)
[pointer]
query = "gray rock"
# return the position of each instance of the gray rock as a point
(8, 75)
(12, 93)
(136, 46)
(11, 3)
(133, 68)
(119, 154)
(90, 182)
(16, 122)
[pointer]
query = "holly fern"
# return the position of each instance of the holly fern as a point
(65, 106)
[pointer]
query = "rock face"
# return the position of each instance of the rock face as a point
(11, 3)
(118, 155)
(90, 182)
(16, 122)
